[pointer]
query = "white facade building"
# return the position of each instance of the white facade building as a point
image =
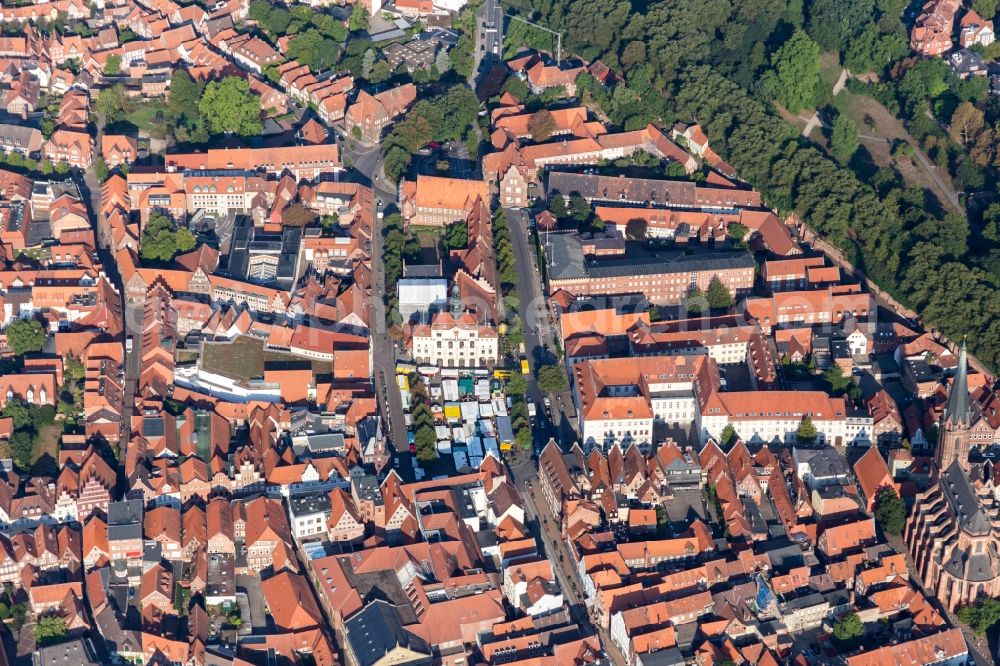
(455, 342)
(621, 400)
(768, 416)
(309, 514)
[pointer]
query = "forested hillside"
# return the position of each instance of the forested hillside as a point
(724, 63)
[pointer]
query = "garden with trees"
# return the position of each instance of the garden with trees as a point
(449, 116)
(162, 241)
(29, 421)
(424, 436)
(981, 616)
(194, 110)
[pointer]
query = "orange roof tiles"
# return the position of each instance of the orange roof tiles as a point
(873, 474)
(460, 620)
(449, 193)
(594, 377)
(274, 160)
(836, 540)
(642, 518)
(43, 595)
(933, 649)
(290, 600)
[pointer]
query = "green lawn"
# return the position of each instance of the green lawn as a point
(426, 234)
(243, 359)
(144, 118)
(829, 69)
(36, 253)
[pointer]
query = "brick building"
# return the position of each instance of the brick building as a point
(435, 202)
(372, 114)
(591, 267)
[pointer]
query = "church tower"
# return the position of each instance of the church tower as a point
(953, 431)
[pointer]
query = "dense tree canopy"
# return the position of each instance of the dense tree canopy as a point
(844, 136)
(718, 295)
(359, 18)
(230, 106)
(795, 81)
(986, 8)
(517, 384)
(113, 65)
(18, 413)
(636, 229)
(456, 235)
(728, 438)
(696, 302)
(49, 629)
(161, 241)
(541, 124)
(552, 379)
(981, 616)
(25, 336)
(297, 215)
(834, 23)
(890, 511)
(115, 103)
(314, 50)
(448, 116)
(848, 629)
(278, 21)
(873, 49)
(182, 107)
(806, 432)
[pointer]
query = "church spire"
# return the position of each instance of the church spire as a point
(958, 410)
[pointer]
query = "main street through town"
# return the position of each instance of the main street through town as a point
(539, 341)
(547, 528)
(553, 422)
(489, 35)
(367, 160)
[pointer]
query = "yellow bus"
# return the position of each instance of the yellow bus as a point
(525, 369)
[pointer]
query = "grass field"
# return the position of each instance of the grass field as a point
(878, 131)
(187, 356)
(426, 234)
(45, 452)
(144, 116)
(35, 253)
